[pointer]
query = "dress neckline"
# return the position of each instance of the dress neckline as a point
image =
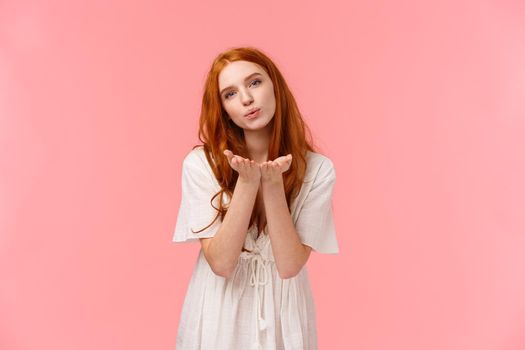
(255, 229)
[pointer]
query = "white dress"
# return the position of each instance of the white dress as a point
(254, 308)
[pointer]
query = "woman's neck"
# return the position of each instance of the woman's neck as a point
(257, 142)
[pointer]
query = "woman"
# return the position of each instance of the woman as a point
(258, 198)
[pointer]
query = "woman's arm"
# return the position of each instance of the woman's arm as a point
(289, 252)
(223, 249)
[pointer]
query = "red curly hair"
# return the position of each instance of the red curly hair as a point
(217, 131)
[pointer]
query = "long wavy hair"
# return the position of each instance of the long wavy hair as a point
(218, 132)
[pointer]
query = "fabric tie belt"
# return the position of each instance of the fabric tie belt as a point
(259, 271)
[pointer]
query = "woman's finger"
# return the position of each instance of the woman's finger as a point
(228, 154)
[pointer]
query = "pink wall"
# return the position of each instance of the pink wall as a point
(421, 108)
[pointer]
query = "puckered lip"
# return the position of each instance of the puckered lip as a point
(251, 111)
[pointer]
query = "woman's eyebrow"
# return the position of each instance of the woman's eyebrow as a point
(248, 77)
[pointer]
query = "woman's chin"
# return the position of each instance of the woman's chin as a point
(261, 125)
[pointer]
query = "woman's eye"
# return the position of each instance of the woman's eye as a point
(228, 94)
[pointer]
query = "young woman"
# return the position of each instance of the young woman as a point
(257, 197)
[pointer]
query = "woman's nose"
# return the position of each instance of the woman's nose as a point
(246, 97)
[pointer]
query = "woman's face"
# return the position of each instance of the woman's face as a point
(244, 86)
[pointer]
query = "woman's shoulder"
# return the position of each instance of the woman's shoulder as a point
(195, 156)
(195, 164)
(318, 166)
(195, 161)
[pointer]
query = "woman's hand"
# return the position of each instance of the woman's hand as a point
(272, 171)
(248, 169)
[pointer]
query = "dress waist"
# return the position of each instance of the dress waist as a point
(259, 276)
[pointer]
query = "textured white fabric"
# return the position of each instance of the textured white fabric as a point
(254, 308)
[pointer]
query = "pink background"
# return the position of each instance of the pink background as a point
(421, 108)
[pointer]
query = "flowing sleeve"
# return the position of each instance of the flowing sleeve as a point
(315, 223)
(195, 210)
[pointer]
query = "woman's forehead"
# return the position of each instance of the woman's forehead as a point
(236, 72)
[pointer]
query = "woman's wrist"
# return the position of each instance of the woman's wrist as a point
(248, 182)
(272, 181)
